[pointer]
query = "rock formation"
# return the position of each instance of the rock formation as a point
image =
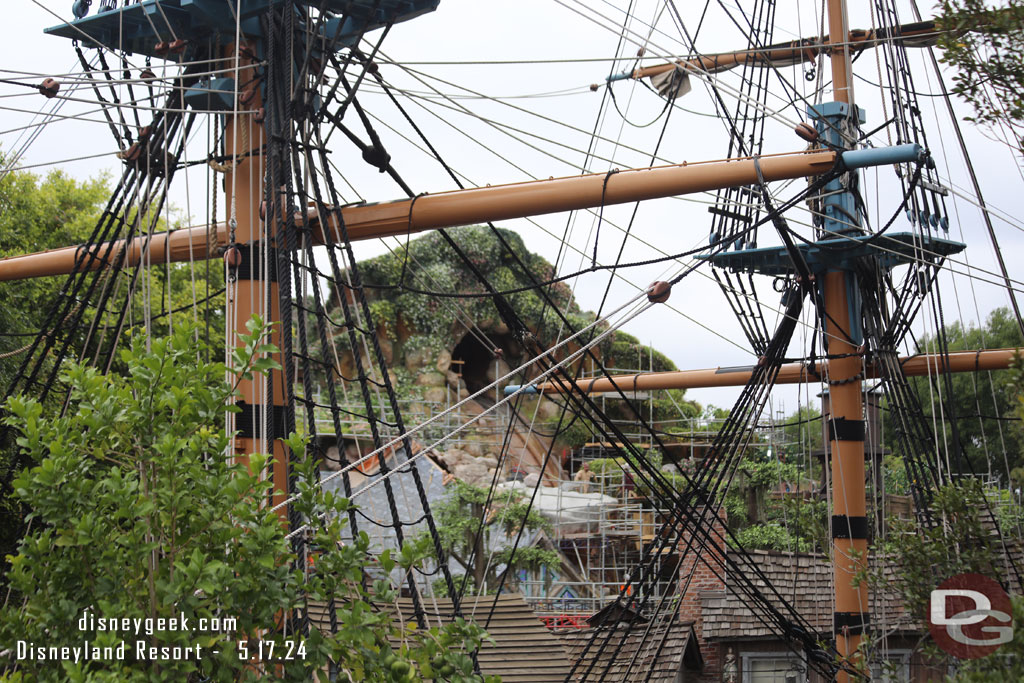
(440, 349)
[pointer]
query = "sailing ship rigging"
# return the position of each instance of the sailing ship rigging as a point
(827, 219)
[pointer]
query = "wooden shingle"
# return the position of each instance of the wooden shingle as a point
(657, 651)
(524, 650)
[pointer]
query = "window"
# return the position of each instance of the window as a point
(773, 667)
(892, 667)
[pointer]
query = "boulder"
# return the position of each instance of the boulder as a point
(549, 409)
(332, 460)
(352, 453)
(474, 448)
(416, 359)
(497, 369)
(444, 361)
(472, 472)
(454, 457)
(435, 395)
(430, 379)
(456, 383)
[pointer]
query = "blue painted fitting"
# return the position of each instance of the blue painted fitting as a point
(513, 388)
(619, 77)
(883, 156)
(217, 94)
(853, 308)
(839, 206)
(827, 117)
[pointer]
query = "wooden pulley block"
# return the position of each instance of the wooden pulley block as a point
(49, 88)
(659, 292)
(247, 96)
(806, 131)
(133, 153)
(232, 257)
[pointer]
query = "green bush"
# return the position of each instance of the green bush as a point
(140, 510)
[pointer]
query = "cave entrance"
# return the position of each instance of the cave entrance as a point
(477, 361)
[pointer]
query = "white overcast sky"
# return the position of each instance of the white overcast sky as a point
(509, 137)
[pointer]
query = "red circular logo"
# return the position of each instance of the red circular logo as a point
(970, 616)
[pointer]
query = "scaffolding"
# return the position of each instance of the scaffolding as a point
(599, 554)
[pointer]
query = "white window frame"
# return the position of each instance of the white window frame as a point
(747, 657)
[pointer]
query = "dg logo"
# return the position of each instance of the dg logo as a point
(970, 616)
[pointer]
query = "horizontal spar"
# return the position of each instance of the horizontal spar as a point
(163, 247)
(475, 205)
(790, 373)
(538, 197)
(918, 34)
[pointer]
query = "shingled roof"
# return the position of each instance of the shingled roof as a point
(524, 650)
(661, 650)
(802, 580)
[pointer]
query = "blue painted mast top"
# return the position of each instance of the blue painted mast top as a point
(149, 27)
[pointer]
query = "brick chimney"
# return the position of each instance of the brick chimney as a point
(708, 582)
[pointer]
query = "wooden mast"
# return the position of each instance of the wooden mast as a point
(918, 34)
(242, 187)
(846, 422)
(254, 291)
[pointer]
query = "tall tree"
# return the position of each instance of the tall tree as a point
(985, 42)
(36, 213)
(468, 519)
(139, 511)
(982, 402)
(46, 212)
(914, 559)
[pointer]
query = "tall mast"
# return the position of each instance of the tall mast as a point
(255, 292)
(142, 29)
(846, 422)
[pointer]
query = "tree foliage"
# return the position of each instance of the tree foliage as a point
(981, 401)
(985, 42)
(138, 510)
(40, 213)
(802, 431)
(922, 557)
(410, 320)
(35, 214)
(467, 524)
